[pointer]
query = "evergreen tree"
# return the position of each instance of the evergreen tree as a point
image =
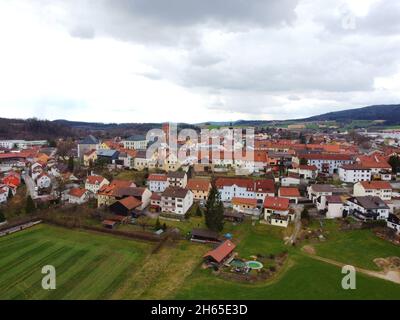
(214, 213)
(394, 161)
(30, 205)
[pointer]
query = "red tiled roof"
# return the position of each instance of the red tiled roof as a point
(289, 192)
(245, 201)
(376, 185)
(244, 183)
(157, 177)
(307, 167)
(155, 196)
(108, 190)
(326, 156)
(130, 202)
(94, 179)
(263, 185)
(199, 184)
(354, 166)
(334, 199)
(222, 251)
(77, 192)
(276, 203)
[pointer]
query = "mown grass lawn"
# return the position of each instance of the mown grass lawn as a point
(88, 265)
(303, 278)
(355, 247)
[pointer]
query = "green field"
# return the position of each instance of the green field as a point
(96, 266)
(88, 265)
(356, 247)
(304, 278)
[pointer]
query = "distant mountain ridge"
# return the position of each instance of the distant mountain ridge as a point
(389, 113)
(45, 129)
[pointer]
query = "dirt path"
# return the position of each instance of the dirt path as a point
(297, 227)
(393, 276)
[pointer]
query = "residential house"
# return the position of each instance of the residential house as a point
(292, 179)
(353, 173)
(155, 202)
(43, 181)
(177, 179)
(78, 196)
(171, 163)
(381, 189)
(89, 157)
(307, 172)
(176, 200)
(377, 164)
(126, 158)
(291, 193)
(142, 162)
(335, 207)
(318, 193)
(36, 170)
(276, 211)
(157, 182)
(94, 183)
(137, 142)
(368, 208)
(87, 144)
(328, 163)
(230, 188)
(200, 188)
(107, 193)
(12, 178)
(246, 205)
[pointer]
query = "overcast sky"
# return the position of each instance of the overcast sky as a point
(193, 61)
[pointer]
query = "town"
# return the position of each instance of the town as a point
(297, 185)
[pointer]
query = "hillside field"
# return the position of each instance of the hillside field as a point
(97, 266)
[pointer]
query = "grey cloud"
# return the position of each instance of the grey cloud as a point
(82, 31)
(189, 12)
(381, 19)
(203, 58)
(169, 22)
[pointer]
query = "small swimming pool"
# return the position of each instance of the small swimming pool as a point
(255, 265)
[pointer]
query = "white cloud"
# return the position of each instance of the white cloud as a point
(129, 61)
